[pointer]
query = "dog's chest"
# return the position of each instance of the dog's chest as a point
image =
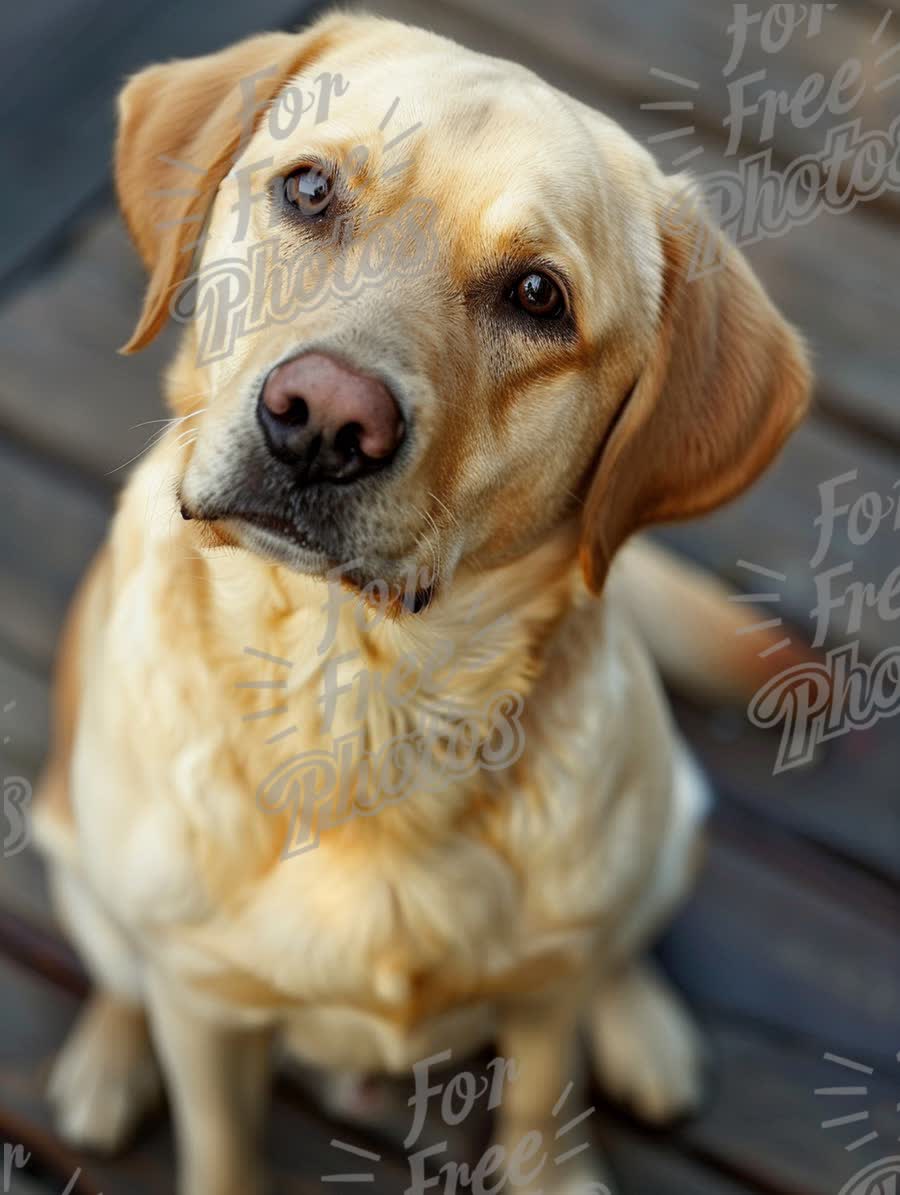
(368, 961)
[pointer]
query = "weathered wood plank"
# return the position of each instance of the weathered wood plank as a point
(23, 890)
(830, 278)
(846, 799)
(23, 717)
(764, 1120)
(779, 932)
(65, 389)
(643, 1165)
(52, 525)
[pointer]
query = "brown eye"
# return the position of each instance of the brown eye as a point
(309, 190)
(538, 295)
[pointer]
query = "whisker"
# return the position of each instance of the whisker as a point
(444, 507)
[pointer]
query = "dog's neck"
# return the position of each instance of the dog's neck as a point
(369, 690)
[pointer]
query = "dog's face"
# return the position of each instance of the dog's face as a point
(436, 322)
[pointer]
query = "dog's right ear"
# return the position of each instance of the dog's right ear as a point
(181, 126)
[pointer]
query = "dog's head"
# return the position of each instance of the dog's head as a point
(441, 309)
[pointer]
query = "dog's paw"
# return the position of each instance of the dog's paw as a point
(647, 1052)
(106, 1077)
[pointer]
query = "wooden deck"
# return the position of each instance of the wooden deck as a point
(790, 949)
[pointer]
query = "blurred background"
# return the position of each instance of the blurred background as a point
(791, 948)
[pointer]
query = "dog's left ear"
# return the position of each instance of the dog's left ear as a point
(726, 382)
(181, 126)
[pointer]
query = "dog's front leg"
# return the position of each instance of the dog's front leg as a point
(543, 1122)
(218, 1079)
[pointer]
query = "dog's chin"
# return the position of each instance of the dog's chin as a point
(280, 545)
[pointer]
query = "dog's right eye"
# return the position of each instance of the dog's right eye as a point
(539, 295)
(309, 190)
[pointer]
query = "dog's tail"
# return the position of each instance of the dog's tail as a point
(705, 644)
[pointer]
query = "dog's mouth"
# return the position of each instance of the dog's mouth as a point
(275, 525)
(413, 595)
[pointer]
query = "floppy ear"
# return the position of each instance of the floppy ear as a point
(181, 126)
(726, 382)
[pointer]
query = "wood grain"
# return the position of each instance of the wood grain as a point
(780, 933)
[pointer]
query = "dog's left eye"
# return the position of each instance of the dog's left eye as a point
(538, 295)
(309, 190)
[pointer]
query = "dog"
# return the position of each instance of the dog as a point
(385, 525)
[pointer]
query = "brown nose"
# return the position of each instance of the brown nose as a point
(328, 421)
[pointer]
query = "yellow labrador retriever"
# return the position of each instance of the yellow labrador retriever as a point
(357, 745)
